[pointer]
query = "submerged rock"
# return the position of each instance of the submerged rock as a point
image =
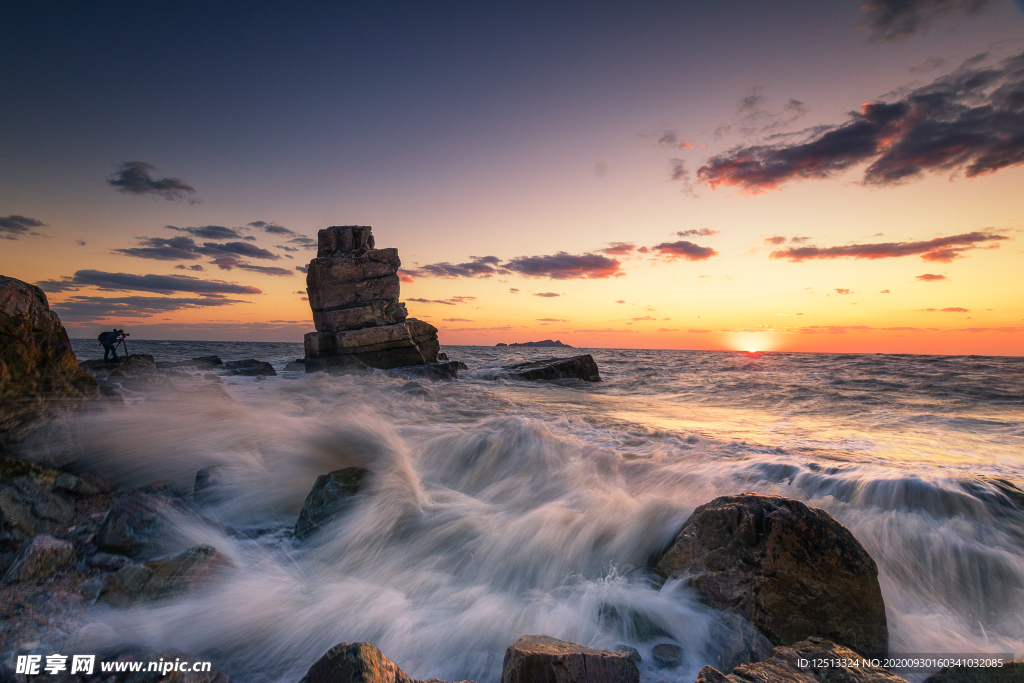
(297, 365)
(42, 556)
(39, 373)
(577, 367)
(358, 663)
(353, 292)
(540, 658)
(791, 570)
(163, 578)
(784, 666)
(250, 368)
(332, 495)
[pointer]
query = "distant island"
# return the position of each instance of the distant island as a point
(547, 344)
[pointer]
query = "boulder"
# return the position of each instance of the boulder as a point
(790, 570)
(49, 479)
(332, 495)
(576, 367)
(39, 373)
(540, 658)
(353, 293)
(1011, 671)
(135, 524)
(42, 556)
(297, 365)
(437, 370)
(28, 509)
(163, 578)
(358, 663)
(249, 368)
(808, 661)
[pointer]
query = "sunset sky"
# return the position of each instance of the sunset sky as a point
(790, 176)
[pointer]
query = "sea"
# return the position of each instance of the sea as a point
(501, 508)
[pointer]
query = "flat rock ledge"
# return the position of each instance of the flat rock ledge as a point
(353, 292)
(575, 367)
(790, 570)
(540, 659)
(358, 663)
(784, 666)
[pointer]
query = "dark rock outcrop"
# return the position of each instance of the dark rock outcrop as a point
(249, 368)
(39, 373)
(546, 344)
(331, 496)
(791, 570)
(437, 370)
(784, 666)
(163, 578)
(576, 367)
(28, 509)
(358, 663)
(42, 556)
(540, 658)
(353, 291)
(135, 524)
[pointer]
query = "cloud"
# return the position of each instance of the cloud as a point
(693, 331)
(458, 320)
(969, 120)
(939, 249)
(87, 308)
(196, 267)
(646, 317)
(885, 291)
(684, 250)
(304, 242)
(667, 329)
(65, 284)
(665, 138)
(462, 299)
(547, 295)
(513, 290)
(302, 269)
(132, 177)
(285, 247)
(621, 301)
(678, 172)
(210, 232)
(273, 228)
(840, 290)
(232, 262)
(618, 248)
(701, 232)
(775, 239)
(185, 249)
(563, 266)
(405, 277)
(447, 302)
(552, 320)
(480, 266)
(892, 19)
(951, 309)
(931, 277)
(80, 243)
(159, 284)
(14, 226)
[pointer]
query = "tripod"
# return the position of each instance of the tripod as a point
(124, 347)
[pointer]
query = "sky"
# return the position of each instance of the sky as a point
(841, 176)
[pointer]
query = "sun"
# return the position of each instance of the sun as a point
(753, 350)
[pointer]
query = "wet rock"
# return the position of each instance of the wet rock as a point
(434, 371)
(784, 666)
(358, 663)
(577, 367)
(108, 562)
(93, 638)
(540, 658)
(790, 570)
(667, 655)
(297, 365)
(332, 495)
(39, 557)
(39, 373)
(27, 509)
(1010, 672)
(50, 479)
(353, 293)
(250, 368)
(163, 578)
(135, 524)
(201, 363)
(632, 653)
(734, 641)
(208, 482)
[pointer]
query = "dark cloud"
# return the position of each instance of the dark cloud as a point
(513, 290)
(132, 177)
(159, 284)
(65, 284)
(197, 268)
(970, 120)
(304, 242)
(666, 138)
(88, 308)
(547, 295)
(775, 239)
(80, 243)
(12, 227)
(563, 266)
(618, 248)
(302, 269)
(210, 232)
(185, 249)
(892, 19)
(931, 277)
(702, 232)
(462, 299)
(480, 266)
(684, 250)
(232, 262)
(679, 173)
(943, 249)
(432, 301)
(273, 228)
(285, 247)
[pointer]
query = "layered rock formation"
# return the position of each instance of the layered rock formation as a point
(39, 374)
(353, 292)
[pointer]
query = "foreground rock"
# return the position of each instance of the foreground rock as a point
(577, 367)
(135, 524)
(1010, 672)
(164, 578)
(49, 479)
(39, 374)
(331, 496)
(540, 658)
(448, 369)
(357, 663)
(28, 509)
(353, 291)
(42, 556)
(784, 666)
(790, 570)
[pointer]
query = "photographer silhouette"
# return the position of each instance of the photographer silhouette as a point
(110, 340)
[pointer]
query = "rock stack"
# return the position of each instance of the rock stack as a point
(353, 291)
